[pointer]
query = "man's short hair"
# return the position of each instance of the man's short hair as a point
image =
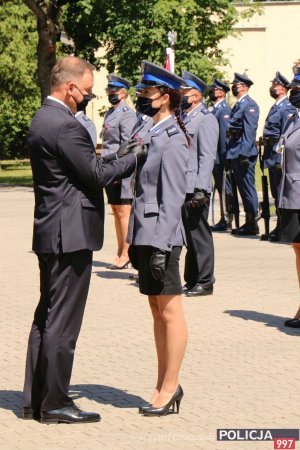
(69, 68)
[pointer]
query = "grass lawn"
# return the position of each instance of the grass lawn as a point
(16, 172)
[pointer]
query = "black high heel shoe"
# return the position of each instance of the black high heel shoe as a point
(164, 410)
(125, 266)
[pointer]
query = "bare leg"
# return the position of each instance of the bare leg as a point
(171, 311)
(160, 343)
(296, 248)
(123, 214)
(118, 234)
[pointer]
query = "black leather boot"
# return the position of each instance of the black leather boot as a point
(250, 228)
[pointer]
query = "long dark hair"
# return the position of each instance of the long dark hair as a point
(175, 98)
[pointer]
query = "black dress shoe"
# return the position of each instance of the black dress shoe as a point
(169, 407)
(198, 291)
(274, 235)
(69, 414)
(292, 323)
(222, 225)
(187, 287)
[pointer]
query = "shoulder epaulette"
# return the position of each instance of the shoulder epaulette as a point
(205, 111)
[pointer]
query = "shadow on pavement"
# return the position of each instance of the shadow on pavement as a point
(12, 401)
(268, 319)
(100, 264)
(112, 274)
(106, 395)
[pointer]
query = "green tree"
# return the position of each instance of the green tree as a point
(19, 93)
(131, 31)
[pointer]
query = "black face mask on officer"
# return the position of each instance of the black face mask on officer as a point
(113, 99)
(273, 93)
(212, 95)
(184, 102)
(86, 98)
(144, 106)
(294, 98)
(234, 90)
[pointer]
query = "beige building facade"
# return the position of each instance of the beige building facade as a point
(265, 43)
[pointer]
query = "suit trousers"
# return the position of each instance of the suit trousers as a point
(64, 285)
(275, 174)
(245, 180)
(199, 260)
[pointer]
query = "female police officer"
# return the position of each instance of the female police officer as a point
(117, 126)
(289, 193)
(156, 230)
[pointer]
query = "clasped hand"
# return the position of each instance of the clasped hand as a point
(199, 198)
(134, 146)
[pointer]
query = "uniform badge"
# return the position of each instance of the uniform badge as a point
(252, 110)
(157, 130)
(194, 113)
(107, 125)
(125, 108)
(172, 130)
(226, 116)
(85, 118)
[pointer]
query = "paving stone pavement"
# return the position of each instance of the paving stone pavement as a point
(241, 368)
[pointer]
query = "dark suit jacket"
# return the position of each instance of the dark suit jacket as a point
(68, 180)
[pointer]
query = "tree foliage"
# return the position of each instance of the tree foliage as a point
(19, 93)
(133, 31)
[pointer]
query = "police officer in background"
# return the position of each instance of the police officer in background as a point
(241, 150)
(222, 111)
(117, 126)
(203, 129)
(277, 117)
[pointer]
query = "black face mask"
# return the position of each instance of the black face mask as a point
(295, 98)
(113, 99)
(212, 96)
(235, 91)
(273, 93)
(86, 98)
(144, 106)
(184, 102)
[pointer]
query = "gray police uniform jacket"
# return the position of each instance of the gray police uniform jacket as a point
(289, 191)
(88, 125)
(160, 190)
(142, 127)
(117, 126)
(203, 128)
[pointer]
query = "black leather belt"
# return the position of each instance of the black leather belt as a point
(270, 140)
(234, 133)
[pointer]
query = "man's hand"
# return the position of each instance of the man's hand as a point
(134, 146)
(199, 198)
(158, 264)
(244, 162)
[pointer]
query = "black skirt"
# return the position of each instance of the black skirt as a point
(289, 225)
(113, 192)
(170, 285)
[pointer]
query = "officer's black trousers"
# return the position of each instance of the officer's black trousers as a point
(64, 284)
(275, 174)
(199, 260)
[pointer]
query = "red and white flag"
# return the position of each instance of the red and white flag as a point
(170, 60)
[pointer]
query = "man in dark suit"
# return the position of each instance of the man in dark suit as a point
(68, 225)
